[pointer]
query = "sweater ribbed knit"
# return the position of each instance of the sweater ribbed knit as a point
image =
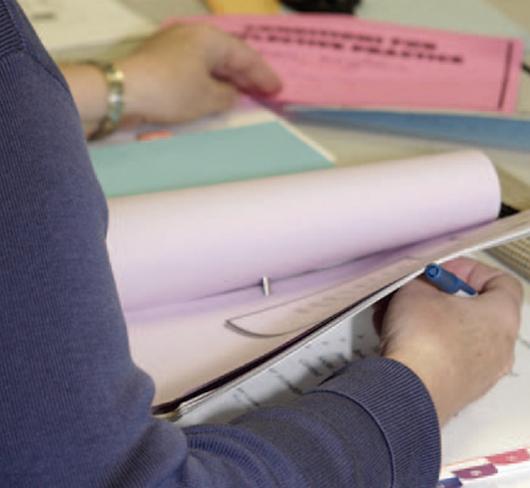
(75, 410)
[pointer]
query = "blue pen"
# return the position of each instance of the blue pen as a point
(448, 282)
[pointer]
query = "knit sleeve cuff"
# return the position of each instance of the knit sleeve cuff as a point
(401, 406)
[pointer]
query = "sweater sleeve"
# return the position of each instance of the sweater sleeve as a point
(75, 410)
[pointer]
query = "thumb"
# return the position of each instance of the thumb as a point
(244, 67)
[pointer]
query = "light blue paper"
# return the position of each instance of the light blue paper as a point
(501, 132)
(199, 159)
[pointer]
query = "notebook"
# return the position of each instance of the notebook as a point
(195, 259)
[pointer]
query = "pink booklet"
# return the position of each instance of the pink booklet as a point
(189, 263)
(342, 61)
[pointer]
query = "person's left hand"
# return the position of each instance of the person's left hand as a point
(188, 71)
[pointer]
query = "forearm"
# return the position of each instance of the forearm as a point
(74, 407)
(89, 90)
(373, 426)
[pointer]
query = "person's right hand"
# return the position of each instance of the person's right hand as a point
(459, 347)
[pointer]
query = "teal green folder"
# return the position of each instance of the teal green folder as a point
(205, 158)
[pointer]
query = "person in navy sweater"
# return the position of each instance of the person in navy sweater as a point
(75, 410)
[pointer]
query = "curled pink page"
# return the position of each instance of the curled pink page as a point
(343, 61)
(178, 246)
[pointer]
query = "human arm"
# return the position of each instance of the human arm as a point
(75, 410)
(179, 74)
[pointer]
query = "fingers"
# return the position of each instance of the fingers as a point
(504, 296)
(219, 97)
(472, 272)
(462, 267)
(189, 71)
(503, 282)
(486, 279)
(501, 295)
(245, 68)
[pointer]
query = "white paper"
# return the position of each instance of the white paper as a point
(67, 24)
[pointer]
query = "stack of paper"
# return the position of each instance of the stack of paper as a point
(193, 260)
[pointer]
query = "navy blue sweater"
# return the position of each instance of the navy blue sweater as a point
(75, 410)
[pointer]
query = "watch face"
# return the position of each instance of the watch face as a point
(342, 6)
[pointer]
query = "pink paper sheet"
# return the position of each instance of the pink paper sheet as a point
(186, 345)
(187, 261)
(178, 246)
(336, 60)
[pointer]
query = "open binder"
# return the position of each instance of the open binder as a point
(189, 264)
